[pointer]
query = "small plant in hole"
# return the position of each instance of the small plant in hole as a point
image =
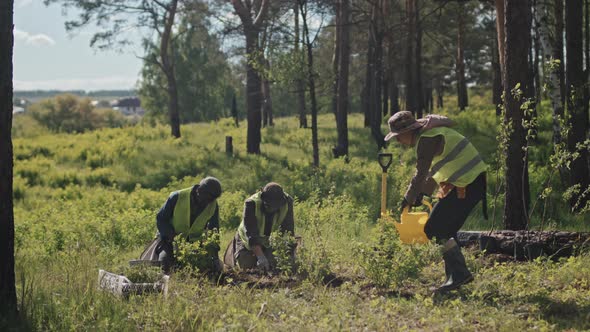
(283, 246)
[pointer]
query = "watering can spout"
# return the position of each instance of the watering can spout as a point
(411, 225)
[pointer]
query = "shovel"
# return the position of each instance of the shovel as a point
(385, 160)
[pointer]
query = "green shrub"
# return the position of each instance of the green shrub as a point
(389, 263)
(64, 179)
(100, 176)
(200, 256)
(70, 114)
(142, 273)
(283, 246)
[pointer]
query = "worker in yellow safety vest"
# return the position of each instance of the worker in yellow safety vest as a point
(268, 210)
(445, 158)
(188, 213)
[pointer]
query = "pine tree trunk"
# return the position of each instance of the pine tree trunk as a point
(461, 83)
(497, 79)
(168, 68)
(439, 96)
(341, 149)
(558, 47)
(266, 98)
(336, 55)
(418, 66)
(264, 110)
(429, 99)
(385, 93)
(500, 27)
(300, 84)
(234, 110)
(394, 96)
(587, 57)
(438, 81)
(311, 85)
(575, 103)
(366, 93)
(7, 280)
(536, 65)
(251, 27)
(375, 74)
(410, 64)
(173, 102)
(553, 80)
(517, 32)
(392, 63)
(531, 86)
(254, 97)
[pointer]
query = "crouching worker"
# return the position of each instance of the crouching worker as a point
(188, 213)
(268, 210)
(446, 158)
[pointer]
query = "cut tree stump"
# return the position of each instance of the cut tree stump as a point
(527, 245)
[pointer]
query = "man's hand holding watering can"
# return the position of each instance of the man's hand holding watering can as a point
(416, 202)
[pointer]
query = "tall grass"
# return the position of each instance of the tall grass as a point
(88, 201)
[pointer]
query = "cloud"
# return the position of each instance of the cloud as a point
(35, 40)
(87, 84)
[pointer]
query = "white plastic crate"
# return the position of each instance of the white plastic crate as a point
(121, 286)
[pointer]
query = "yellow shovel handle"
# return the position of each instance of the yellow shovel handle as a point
(383, 193)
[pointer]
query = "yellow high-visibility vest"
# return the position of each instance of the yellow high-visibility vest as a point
(182, 214)
(277, 219)
(459, 163)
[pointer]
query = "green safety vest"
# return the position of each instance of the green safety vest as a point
(459, 163)
(182, 214)
(277, 219)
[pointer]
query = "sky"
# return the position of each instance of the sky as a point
(46, 57)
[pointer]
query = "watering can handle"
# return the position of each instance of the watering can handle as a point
(427, 203)
(424, 202)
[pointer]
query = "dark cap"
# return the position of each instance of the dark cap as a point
(273, 195)
(402, 122)
(211, 186)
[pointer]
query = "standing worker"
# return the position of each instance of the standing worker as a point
(268, 210)
(188, 212)
(446, 158)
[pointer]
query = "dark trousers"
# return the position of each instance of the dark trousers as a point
(449, 214)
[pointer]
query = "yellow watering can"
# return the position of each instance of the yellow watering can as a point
(411, 227)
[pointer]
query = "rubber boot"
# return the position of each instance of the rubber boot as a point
(457, 274)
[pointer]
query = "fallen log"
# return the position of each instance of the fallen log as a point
(527, 245)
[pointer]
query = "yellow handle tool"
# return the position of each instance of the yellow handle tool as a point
(385, 160)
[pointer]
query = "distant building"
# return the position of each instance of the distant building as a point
(128, 106)
(17, 110)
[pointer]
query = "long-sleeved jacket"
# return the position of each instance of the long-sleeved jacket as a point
(164, 216)
(427, 148)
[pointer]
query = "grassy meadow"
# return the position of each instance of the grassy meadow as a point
(88, 201)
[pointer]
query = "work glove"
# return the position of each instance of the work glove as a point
(262, 263)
